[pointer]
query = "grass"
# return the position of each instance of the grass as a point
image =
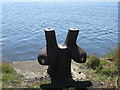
(113, 55)
(7, 69)
(107, 71)
(9, 76)
(93, 62)
(11, 80)
(44, 81)
(0, 74)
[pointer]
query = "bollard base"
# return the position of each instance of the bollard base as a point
(64, 85)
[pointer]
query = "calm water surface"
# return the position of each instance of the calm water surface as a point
(24, 23)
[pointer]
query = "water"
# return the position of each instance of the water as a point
(23, 27)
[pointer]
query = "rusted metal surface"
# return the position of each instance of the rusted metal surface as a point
(58, 57)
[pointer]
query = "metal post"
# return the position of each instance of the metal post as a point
(58, 57)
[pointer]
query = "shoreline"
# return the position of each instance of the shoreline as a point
(34, 74)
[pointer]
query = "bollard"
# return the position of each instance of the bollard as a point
(58, 57)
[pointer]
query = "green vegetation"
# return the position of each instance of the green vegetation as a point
(93, 62)
(106, 68)
(7, 69)
(0, 75)
(9, 76)
(11, 80)
(113, 56)
(44, 81)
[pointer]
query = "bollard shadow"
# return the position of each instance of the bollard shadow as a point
(77, 85)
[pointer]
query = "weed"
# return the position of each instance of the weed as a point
(9, 75)
(93, 62)
(7, 69)
(113, 55)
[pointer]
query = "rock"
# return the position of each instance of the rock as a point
(30, 70)
(76, 71)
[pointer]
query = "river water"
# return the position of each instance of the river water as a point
(23, 25)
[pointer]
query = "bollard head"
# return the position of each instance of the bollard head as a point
(71, 37)
(49, 29)
(50, 38)
(73, 29)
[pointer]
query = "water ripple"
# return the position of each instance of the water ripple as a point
(23, 27)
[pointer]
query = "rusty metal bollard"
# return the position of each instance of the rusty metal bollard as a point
(58, 57)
